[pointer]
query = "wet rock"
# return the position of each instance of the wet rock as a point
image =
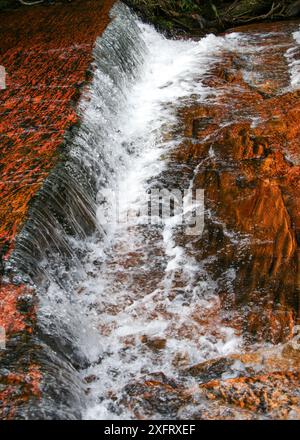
(291, 350)
(32, 130)
(154, 343)
(209, 370)
(181, 360)
(276, 394)
(90, 379)
(253, 385)
(284, 357)
(199, 125)
(152, 397)
(250, 188)
(280, 324)
(34, 379)
(215, 410)
(13, 318)
(263, 384)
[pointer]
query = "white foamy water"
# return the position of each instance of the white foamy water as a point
(133, 285)
(126, 301)
(293, 58)
(138, 284)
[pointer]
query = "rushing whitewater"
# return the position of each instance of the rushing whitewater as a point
(292, 56)
(104, 296)
(142, 285)
(106, 293)
(136, 282)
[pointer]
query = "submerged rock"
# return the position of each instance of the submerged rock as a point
(154, 343)
(250, 175)
(254, 385)
(153, 398)
(275, 394)
(46, 67)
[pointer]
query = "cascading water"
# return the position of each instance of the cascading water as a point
(107, 289)
(126, 286)
(292, 56)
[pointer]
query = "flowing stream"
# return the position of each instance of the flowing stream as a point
(124, 298)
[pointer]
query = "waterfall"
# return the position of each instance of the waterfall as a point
(292, 55)
(67, 247)
(71, 253)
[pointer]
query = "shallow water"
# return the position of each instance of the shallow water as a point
(134, 283)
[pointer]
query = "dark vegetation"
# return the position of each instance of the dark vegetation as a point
(7, 3)
(201, 16)
(12, 4)
(197, 17)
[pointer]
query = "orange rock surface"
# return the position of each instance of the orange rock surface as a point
(264, 385)
(246, 147)
(275, 393)
(17, 389)
(46, 52)
(11, 318)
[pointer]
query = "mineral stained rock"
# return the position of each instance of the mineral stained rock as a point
(249, 152)
(46, 65)
(260, 385)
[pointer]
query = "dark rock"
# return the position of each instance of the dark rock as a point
(154, 343)
(210, 370)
